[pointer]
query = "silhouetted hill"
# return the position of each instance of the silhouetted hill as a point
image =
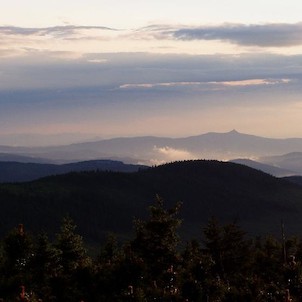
(290, 161)
(108, 201)
(23, 159)
(269, 169)
(21, 172)
(294, 179)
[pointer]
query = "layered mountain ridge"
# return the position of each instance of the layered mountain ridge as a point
(101, 202)
(283, 154)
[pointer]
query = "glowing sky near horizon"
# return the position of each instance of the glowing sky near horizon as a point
(78, 70)
(138, 13)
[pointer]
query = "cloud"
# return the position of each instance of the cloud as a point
(253, 82)
(261, 35)
(146, 75)
(71, 37)
(185, 95)
(6, 53)
(58, 31)
(154, 85)
(167, 154)
(214, 84)
(166, 39)
(98, 61)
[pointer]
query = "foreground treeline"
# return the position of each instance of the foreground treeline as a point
(222, 265)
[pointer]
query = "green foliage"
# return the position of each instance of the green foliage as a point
(73, 253)
(228, 248)
(225, 266)
(45, 266)
(110, 250)
(105, 201)
(17, 255)
(74, 263)
(157, 239)
(18, 249)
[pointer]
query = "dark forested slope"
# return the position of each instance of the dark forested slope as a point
(108, 201)
(11, 171)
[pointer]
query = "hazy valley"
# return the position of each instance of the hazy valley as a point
(104, 194)
(284, 155)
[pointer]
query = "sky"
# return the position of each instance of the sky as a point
(74, 71)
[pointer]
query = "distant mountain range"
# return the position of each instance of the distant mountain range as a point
(269, 169)
(291, 161)
(279, 165)
(284, 154)
(101, 202)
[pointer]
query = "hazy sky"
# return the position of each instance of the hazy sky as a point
(80, 70)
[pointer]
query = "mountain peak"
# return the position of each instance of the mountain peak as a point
(234, 131)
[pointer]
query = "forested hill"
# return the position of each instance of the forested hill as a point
(11, 171)
(100, 202)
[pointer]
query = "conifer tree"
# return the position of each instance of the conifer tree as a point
(156, 242)
(110, 251)
(45, 266)
(107, 268)
(71, 246)
(75, 274)
(17, 252)
(228, 247)
(230, 252)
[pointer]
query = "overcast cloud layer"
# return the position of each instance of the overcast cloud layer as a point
(80, 82)
(126, 94)
(266, 35)
(261, 35)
